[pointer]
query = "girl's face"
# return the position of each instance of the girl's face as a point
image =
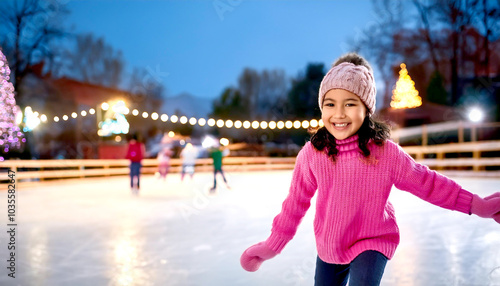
(343, 113)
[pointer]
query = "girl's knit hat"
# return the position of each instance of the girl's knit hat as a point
(357, 79)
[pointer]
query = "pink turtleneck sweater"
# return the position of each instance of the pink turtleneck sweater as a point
(353, 213)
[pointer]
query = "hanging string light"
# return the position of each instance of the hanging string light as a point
(211, 122)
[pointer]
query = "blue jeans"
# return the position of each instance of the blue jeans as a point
(135, 172)
(365, 270)
(215, 177)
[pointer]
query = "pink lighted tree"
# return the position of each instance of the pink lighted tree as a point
(11, 137)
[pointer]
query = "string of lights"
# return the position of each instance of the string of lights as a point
(404, 96)
(120, 108)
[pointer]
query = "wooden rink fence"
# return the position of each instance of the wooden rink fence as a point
(471, 157)
(34, 171)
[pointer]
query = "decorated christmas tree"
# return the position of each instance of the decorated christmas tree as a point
(404, 94)
(11, 137)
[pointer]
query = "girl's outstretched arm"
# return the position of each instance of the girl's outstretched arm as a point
(437, 189)
(285, 224)
(427, 184)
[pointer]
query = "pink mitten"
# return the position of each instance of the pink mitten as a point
(489, 207)
(253, 257)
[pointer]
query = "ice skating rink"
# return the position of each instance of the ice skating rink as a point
(95, 232)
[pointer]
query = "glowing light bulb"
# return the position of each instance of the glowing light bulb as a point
(220, 123)
(476, 115)
(314, 123)
(305, 124)
(224, 141)
(272, 125)
(280, 125)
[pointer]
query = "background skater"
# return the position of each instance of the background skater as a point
(135, 153)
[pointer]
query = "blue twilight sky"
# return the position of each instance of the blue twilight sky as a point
(201, 47)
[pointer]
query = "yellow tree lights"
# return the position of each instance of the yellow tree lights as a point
(404, 94)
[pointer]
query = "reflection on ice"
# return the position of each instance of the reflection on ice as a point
(127, 259)
(38, 254)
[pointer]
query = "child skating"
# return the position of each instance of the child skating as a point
(188, 155)
(135, 153)
(217, 154)
(164, 162)
(352, 165)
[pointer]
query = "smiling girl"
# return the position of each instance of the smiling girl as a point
(352, 165)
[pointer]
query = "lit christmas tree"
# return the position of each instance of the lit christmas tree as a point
(11, 137)
(404, 94)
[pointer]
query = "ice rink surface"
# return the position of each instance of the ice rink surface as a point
(95, 232)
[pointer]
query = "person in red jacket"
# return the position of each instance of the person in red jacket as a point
(351, 166)
(135, 153)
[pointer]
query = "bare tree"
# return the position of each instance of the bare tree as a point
(424, 12)
(249, 86)
(92, 60)
(146, 88)
(451, 37)
(489, 20)
(30, 28)
(261, 91)
(272, 91)
(377, 41)
(456, 16)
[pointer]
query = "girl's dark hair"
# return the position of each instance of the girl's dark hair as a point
(371, 129)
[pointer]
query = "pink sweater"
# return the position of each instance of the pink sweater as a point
(353, 213)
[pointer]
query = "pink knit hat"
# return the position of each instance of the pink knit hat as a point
(354, 78)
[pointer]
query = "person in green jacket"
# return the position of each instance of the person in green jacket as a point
(217, 154)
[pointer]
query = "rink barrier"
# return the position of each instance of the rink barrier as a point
(463, 130)
(469, 156)
(46, 170)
